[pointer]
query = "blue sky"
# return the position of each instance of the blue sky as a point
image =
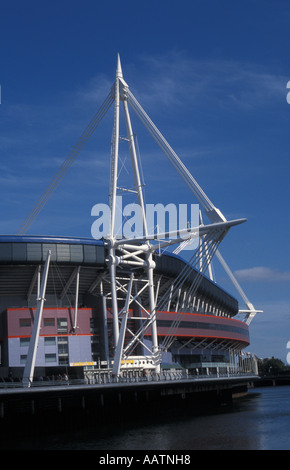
(212, 75)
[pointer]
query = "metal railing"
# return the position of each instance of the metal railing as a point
(109, 378)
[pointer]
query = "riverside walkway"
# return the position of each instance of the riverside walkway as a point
(107, 381)
(74, 402)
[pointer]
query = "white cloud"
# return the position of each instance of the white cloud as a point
(269, 331)
(93, 92)
(262, 273)
(169, 78)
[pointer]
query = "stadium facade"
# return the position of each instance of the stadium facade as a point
(76, 331)
(119, 306)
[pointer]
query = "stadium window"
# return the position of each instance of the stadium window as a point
(48, 322)
(62, 325)
(62, 350)
(50, 358)
(49, 341)
(23, 358)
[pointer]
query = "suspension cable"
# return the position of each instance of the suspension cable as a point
(66, 164)
(167, 341)
(182, 278)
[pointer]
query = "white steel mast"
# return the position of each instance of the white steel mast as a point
(113, 195)
(121, 94)
(33, 343)
(138, 252)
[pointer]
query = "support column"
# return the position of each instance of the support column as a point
(119, 348)
(77, 297)
(136, 173)
(31, 356)
(112, 266)
(152, 304)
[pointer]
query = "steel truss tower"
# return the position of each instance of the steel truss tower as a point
(138, 252)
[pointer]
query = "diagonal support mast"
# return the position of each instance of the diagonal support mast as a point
(79, 145)
(33, 344)
(113, 195)
(251, 312)
(212, 212)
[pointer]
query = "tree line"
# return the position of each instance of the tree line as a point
(272, 366)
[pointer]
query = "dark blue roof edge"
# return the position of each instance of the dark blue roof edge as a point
(48, 239)
(83, 241)
(174, 255)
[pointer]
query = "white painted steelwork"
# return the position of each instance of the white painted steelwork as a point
(138, 252)
(31, 356)
(251, 310)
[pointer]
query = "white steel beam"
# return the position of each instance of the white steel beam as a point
(137, 180)
(119, 348)
(33, 282)
(31, 356)
(77, 297)
(212, 212)
(251, 312)
(68, 284)
(113, 194)
(184, 234)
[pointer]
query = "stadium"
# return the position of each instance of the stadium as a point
(125, 307)
(76, 331)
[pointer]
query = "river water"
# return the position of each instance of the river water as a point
(259, 421)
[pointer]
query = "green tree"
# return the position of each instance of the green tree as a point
(271, 366)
